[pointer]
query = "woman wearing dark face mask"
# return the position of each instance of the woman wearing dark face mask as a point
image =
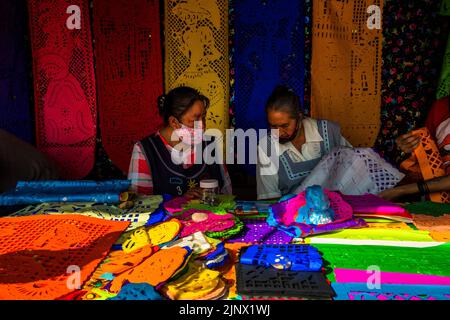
(302, 141)
(164, 162)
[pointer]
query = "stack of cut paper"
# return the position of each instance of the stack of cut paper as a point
(253, 209)
(288, 271)
(372, 206)
(388, 273)
(377, 236)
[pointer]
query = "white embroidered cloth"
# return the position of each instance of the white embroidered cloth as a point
(353, 171)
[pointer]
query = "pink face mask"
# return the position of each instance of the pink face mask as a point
(190, 136)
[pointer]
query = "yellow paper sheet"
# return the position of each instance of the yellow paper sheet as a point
(389, 225)
(196, 52)
(440, 236)
(379, 234)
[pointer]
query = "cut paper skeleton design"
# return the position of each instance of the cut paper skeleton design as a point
(66, 108)
(65, 105)
(197, 44)
(65, 93)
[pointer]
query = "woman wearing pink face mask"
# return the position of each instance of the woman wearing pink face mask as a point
(164, 162)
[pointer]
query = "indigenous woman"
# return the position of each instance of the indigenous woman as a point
(302, 142)
(164, 162)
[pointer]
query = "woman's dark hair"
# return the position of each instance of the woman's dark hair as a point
(284, 99)
(178, 101)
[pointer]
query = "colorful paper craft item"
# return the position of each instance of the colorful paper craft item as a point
(283, 215)
(428, 208)
(228, 233)
(197, 283)
(36, 252)
(196, 53)
(156, 269)
(156, 235)
(142, 213)
(229, 270)
(362, 276)
(116, 263)
(427, 160)
(218, 251)
(217, 262)
(346, 68)
(120, 261)
(175, 205)
(370, 205)
(217, 257)
(64, 82)
(259, 231)
(259, 280)
(440, 236)
(142, 205)
(16, 198)
(378, 234)
(75, 295)
(252, 209)
(137, 291)
(225, 204)
(425, 222)
(390, 243)
(146, 204)
(429, 260)
(389, 225)
(377, 220)
(270, 49)
(197, 242)
(295, 257)
(98, 294)
(359, 291)
(194, 220)
(129, 73)
(73, 187)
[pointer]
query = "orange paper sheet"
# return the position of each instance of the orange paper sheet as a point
(229, 270)
(440, 236)
(430, 223)
(38, 254)
(346, 68)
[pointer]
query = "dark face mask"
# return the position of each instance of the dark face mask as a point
(292, 136)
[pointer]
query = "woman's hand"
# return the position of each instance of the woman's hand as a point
(194, 193)
(391, 194)
(408, 142)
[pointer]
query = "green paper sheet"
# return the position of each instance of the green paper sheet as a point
(238, 227)
(381, 220)
(226, 204)
(432, 260)
(443, 89)
(429, 208)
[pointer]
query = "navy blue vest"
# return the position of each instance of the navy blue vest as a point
(171, 178)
